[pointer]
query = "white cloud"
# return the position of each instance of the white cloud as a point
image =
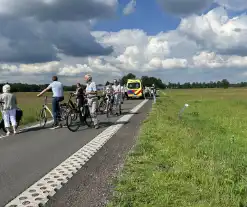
(211, 45)
(216, 31)
(239, 5)
(130, 7)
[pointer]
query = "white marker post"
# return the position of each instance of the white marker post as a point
(182, 110)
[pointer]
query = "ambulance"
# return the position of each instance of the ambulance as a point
(134, 88)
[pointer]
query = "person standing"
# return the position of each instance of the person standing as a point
(117, 96)
(79, 93)
(58, 96)
(9, 107)
(91, 93)
(153, 91)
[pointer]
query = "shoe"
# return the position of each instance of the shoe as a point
(15, 132)
(54, 126)
(96, 126)
(8, 133)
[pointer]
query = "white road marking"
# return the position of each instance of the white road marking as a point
(38, 193)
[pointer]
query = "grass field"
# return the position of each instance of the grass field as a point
(199, 161)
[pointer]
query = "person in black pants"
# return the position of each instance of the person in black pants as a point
(79, 95)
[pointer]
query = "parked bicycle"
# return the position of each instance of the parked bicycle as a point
(19, 114)
(79, 116)
(43, 114)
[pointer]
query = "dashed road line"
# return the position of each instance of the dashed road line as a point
(39, 193)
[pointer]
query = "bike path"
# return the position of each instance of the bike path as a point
(26, 157)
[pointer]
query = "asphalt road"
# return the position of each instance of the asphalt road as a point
(27, 157)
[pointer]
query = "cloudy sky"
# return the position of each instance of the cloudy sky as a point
(175, 40)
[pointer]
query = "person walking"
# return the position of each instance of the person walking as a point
(9, 107)
(91, 93)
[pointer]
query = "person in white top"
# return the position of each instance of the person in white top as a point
(109, 89)
(91, 93)
(9, 106)
(117, 95)
(58, 96)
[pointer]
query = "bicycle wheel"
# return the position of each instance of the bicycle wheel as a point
(63, 114)
(120, 109)
(102, 106)
(42, 118)
(87, 117)
(73, 120)
(108, 109)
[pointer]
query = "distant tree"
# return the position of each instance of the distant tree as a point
(225, 83)
(126, 77)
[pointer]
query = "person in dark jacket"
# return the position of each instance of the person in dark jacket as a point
(79, 93)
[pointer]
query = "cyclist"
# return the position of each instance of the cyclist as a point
(9, 108)
(109, 93)
(117, 95)
(91, 93)
(58, 96)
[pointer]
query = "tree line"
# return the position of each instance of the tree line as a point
(146, 80)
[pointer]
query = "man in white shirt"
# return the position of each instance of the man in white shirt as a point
(58, 96)
(91, 93)
(117, 96)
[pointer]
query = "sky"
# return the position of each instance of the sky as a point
(174, 40)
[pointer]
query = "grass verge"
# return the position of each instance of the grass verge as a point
(199, 161)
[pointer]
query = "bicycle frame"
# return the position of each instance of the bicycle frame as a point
(46, 107)
(70, 103)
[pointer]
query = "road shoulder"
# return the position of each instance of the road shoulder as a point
(92, 185)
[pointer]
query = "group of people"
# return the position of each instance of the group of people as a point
(58, 95)
(117, 93)
(9, 101)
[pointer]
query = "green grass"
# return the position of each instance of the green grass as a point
(199, 161)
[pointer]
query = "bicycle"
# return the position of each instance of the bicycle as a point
(81, 115)
(70, 104)
(109, 105)
(19, 114)
(43, 113)
(102, 104)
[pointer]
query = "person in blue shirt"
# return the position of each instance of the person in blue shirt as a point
(58, 96)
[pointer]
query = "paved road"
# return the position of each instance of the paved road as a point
(28, 156)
